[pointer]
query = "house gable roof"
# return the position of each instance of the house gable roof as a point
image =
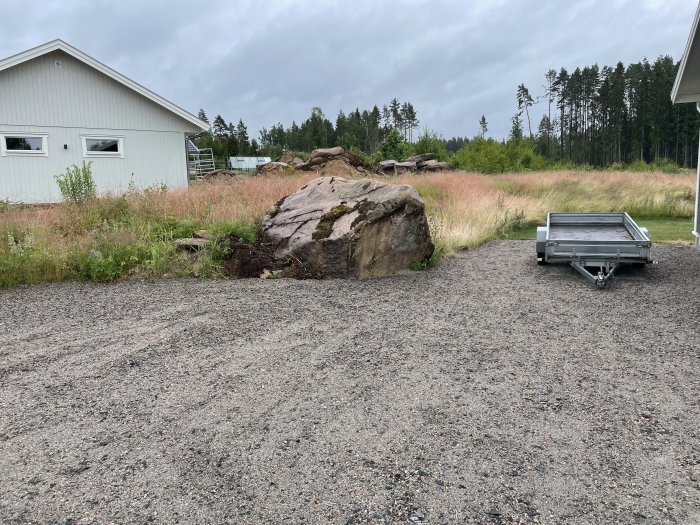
(687, 85)
(60, 45)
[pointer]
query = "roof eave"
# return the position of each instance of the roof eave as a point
(60, 45)
(684, 99)
(675, 97)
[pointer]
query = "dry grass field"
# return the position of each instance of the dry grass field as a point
(112, 237)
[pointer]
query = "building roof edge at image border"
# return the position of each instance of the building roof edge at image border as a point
(675, 96)
(60, 45)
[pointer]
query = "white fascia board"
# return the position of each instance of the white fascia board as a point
(675, 98)
(60, 45)
(684, 99)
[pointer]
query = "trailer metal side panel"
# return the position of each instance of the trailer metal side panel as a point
(576, 236)
(602, 240)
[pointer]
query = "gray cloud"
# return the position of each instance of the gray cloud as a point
(454, 60)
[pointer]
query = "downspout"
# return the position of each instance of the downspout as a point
(696, 221)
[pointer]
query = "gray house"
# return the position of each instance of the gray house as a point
(687, 89)
(60, 107)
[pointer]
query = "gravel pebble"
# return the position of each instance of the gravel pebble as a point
(489, 390)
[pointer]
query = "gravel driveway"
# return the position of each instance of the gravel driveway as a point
(490, 390)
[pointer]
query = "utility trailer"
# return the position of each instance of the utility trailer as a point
(598, 241)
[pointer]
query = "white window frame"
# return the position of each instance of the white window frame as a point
(4, 152)
(102, 154)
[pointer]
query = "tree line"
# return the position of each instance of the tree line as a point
(614, 114)
(363, 131)
(592, 116)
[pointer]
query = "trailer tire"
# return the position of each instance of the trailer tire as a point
(540, 259)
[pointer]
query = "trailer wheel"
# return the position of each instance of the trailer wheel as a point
(540, 259)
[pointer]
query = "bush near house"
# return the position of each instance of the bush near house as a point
(76, 184)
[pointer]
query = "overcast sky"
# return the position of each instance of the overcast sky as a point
(270, 61)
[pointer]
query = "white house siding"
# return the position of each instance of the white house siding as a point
(73, 100)
(149, 158)
(696, 230)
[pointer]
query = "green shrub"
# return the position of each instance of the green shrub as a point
(666, 166)
(431, 142)
(482, 156)
(393, 147)
(170, 228)
(23, 261)
(105, 262)
(637, 165)
(490, 156)
(76, 184)
(366, 159)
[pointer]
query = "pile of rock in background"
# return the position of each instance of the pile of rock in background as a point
(425, 162)
(340, 163)
(272, 167)
(328, 161)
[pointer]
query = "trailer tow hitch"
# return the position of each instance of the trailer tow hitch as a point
(605, 273)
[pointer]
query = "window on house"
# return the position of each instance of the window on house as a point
(23, 144)
(103, 146)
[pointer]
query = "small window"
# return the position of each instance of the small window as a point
(103, 146)
(30, 144)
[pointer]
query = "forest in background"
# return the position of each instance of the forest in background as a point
(599, 117)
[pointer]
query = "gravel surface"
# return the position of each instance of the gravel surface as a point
(490, 390)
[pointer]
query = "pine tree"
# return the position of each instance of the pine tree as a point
(220, 128)
(483, 126)
(516, 130)
(411, 119)
(525, 102)
(242, 136)
(386, 118)
(395, 109)
(550, 93)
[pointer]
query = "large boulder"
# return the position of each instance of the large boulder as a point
(350, 228)
(420, 158)
(425, 164)
(319, 157)
(326, 153)
(404, 167)
(272, 167)
(438, 166)
(387, 166)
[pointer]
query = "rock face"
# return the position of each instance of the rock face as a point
(271, 167)
(420, 158)
(327, 161)
(423, 162)
(350, 228)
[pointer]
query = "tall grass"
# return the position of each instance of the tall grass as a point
(466, 209)
(639, 194)
(113, 237)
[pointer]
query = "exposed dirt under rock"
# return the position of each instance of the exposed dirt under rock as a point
(247, 260)
(487, 391)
